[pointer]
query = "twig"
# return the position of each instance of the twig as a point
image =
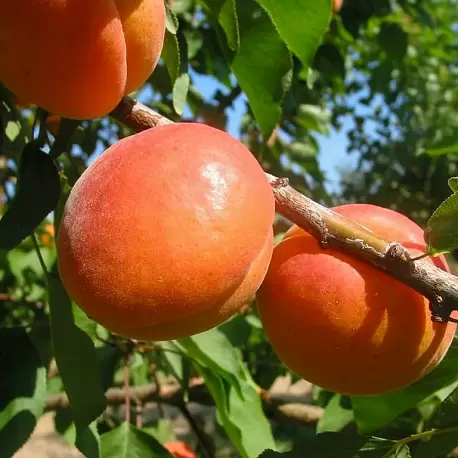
(332, 230)
(173, 394)
(41, 260)
(126, 390)
(227, 100)
(206, 448)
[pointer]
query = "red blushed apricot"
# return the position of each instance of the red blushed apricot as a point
(337, 5)
(143, 23)
(72, 57)
(179, 449)
(168, 233)
(344, 325)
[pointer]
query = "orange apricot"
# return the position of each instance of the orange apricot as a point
(179, 449)
(337, 5)
(77, 58)
(47, 235)
(344, 325)
(168, 233)
(22, 104)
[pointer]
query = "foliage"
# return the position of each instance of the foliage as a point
(297, 71)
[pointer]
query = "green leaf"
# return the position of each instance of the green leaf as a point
(126, 441)
(84, 322)
(437, 445)
(162, 430)
(314, 117)
(233, 390)
(329, 61)
(337, 414)
(453, 184)
(88, 441)
(237, 330)
(175, 361)
(301, 24)
(240, 413)
(442, 150)
(441, 233)
(225, 12)
(394, 40)
(108, 357)
(374, 412)
(274, 454)
(171, 21)
(65, 137)
(213, 350)
(22, 389)
(75, 357)
(263, 67)
(37, 194)
(445, 421)
(175, 55)
(447, 413)
(13, 129)
(345, 445)
(302, 150)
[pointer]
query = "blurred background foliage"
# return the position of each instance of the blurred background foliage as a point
(386, 68)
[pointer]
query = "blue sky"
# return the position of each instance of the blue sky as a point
(332, 147)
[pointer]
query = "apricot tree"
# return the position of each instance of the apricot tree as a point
(150, 259)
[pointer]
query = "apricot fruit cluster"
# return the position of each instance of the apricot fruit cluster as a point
(78, 58)
(344, 325)
(168, 233)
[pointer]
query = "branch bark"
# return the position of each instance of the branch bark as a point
(334, 231)
(173, 394)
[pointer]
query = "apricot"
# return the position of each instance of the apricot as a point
(337, 5)
(344, 325)
(179, 449)
(168, 233)
(47, 235)
(77, 58)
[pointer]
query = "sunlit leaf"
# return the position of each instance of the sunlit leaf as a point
(374, 412)
(126, 441)
(441, 233)
(262, 66)
(301, 23)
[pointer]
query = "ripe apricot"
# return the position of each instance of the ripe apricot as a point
(47, 235)
(168, 233)
(77, 58)
(337, 5)
(179, 449)
(344, 325)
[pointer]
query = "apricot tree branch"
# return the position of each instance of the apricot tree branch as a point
(335, 231)
(172, 394)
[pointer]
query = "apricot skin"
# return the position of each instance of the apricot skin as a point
(179, 449)
(77, 58)
(343, 325)
(337, 5)
(168, 233)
